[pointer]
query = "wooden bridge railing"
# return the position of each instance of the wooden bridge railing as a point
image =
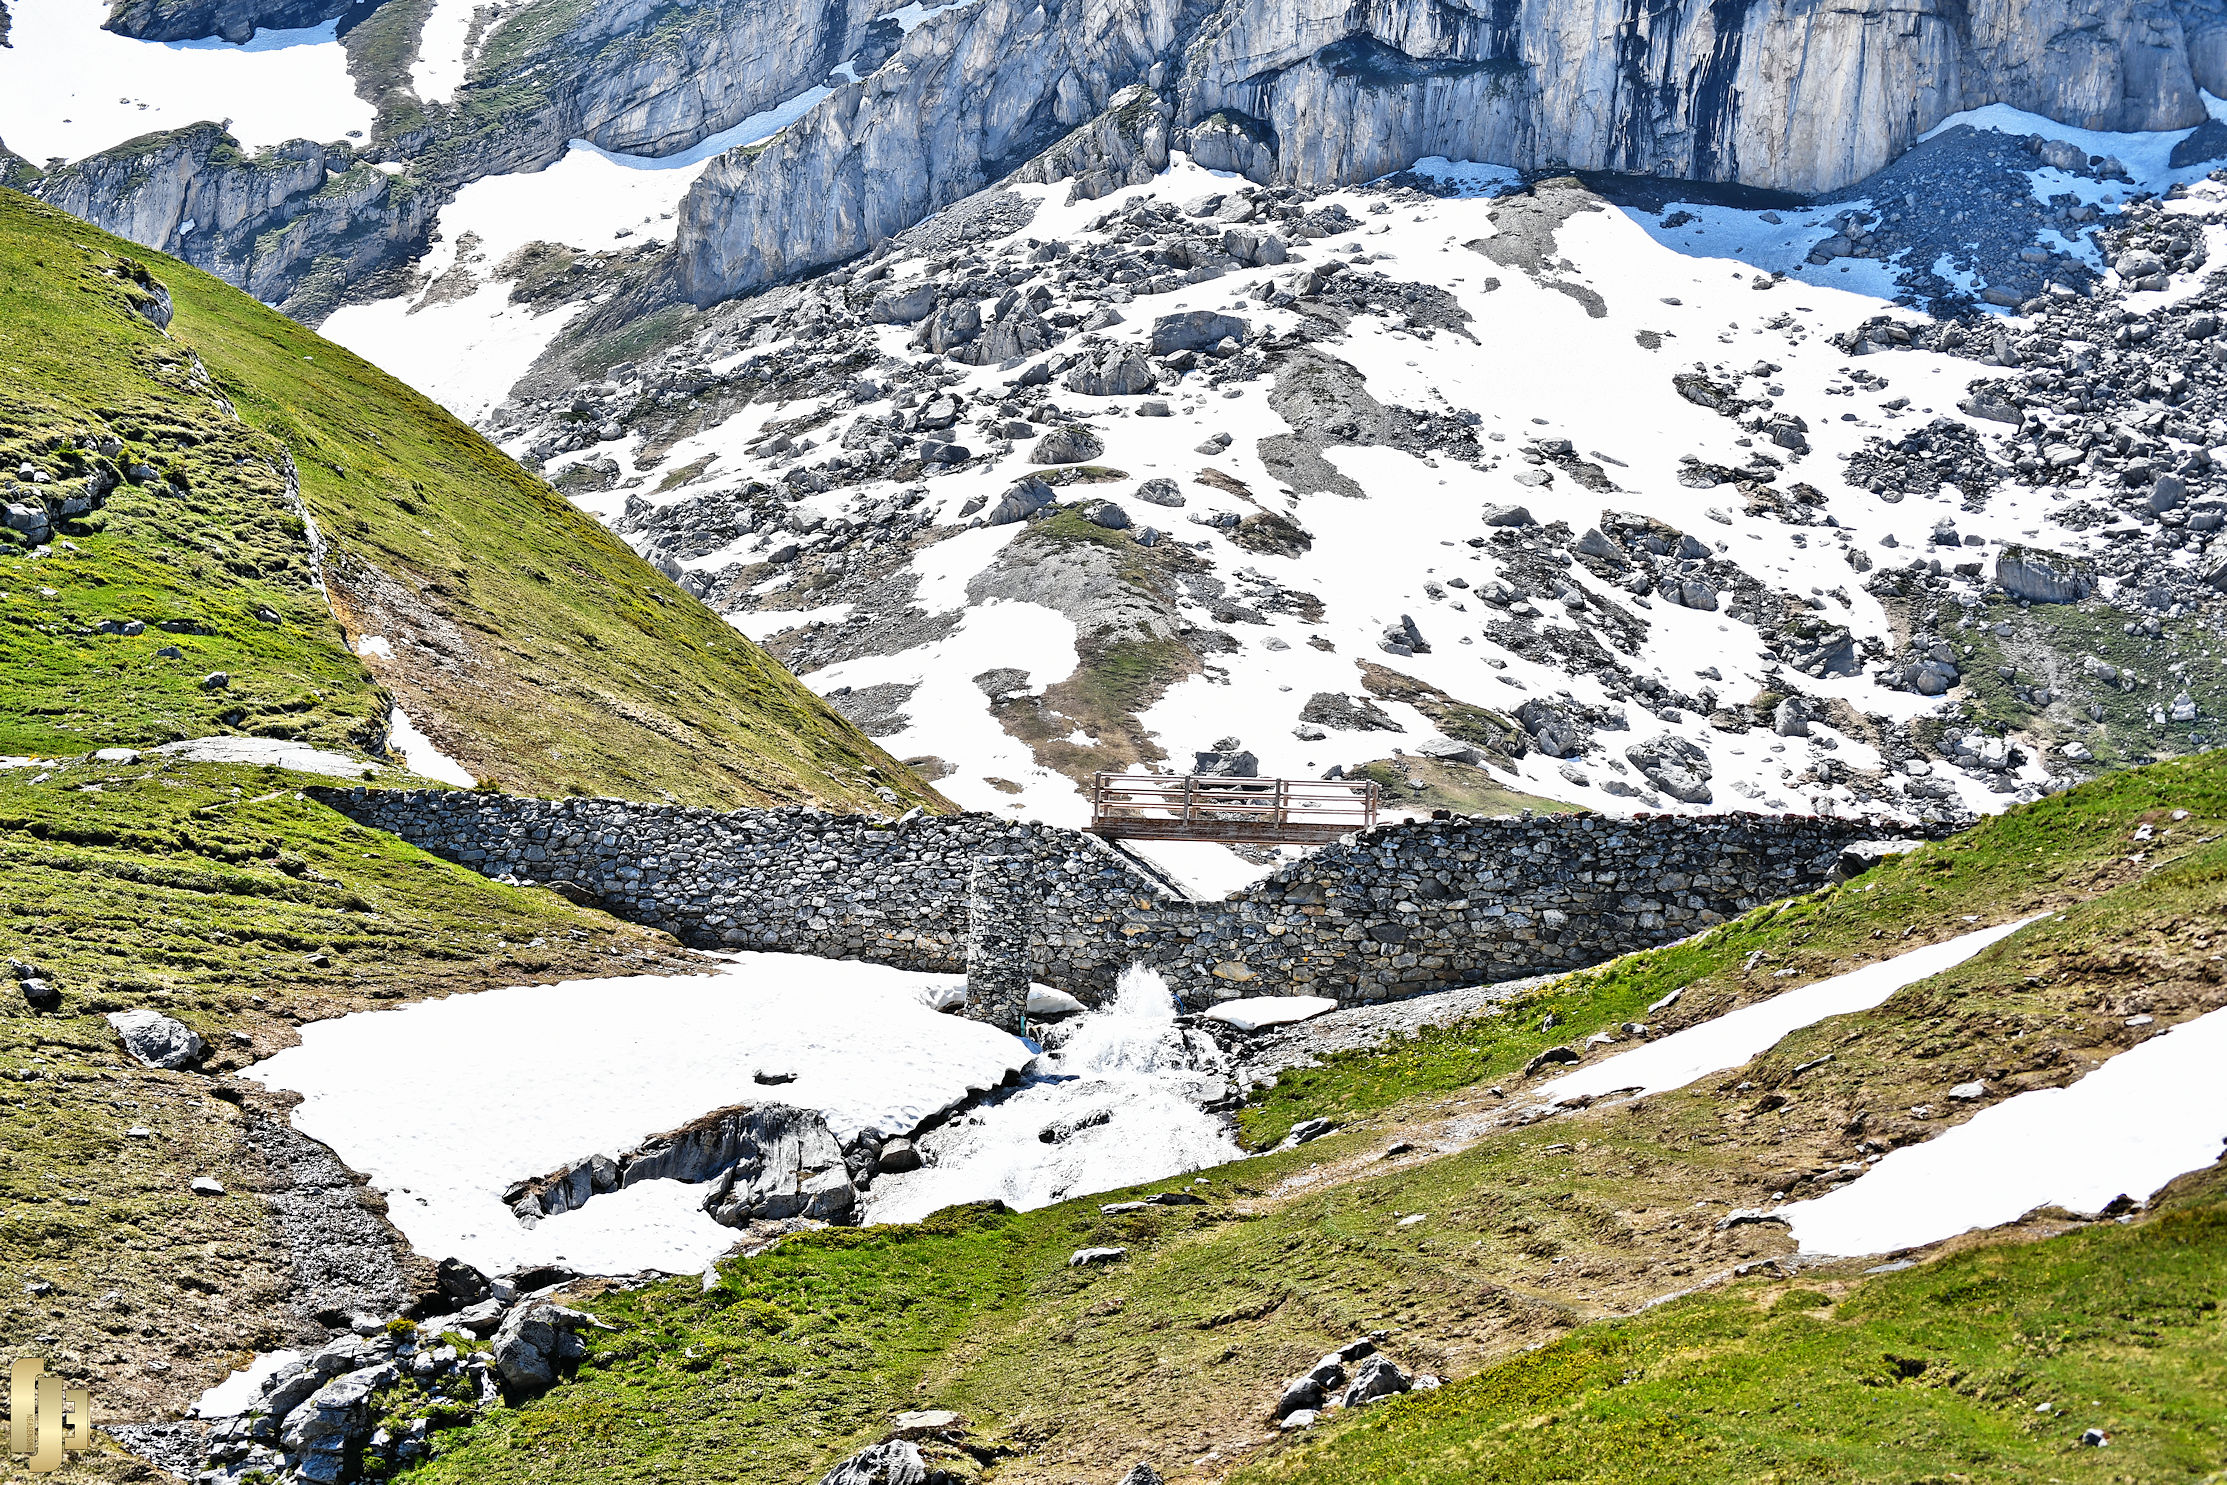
(1148, 806)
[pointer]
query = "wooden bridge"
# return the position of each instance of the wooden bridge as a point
(1151, 806)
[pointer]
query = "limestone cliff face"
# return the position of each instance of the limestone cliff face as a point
(972, 95)
(264, 222)
(294, 225)
(643, 77)
(1789, 94)
(1795, 96)
(234, 20)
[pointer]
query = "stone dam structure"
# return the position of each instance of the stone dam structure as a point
(1389, 912)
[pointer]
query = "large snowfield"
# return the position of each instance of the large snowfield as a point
(445, 1103)
(69, 89)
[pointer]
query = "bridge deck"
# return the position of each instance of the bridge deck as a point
(1144, 806)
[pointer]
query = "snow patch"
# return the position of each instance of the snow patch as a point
(282, 752)
(2132, 1125)
(447, 1102)
(243, 1388)
(1259, 1011)
(420, 754)
(1737, 1036)
(70, 89)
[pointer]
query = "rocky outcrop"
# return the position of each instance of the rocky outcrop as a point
(762, 1162)
(292, 225)
(972, 95)
(1322, 93)
(638, 77)
(235, 21)
(1127, 145)
(1794, 97)
(299, 224)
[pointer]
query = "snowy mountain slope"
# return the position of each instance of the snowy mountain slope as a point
(830, 464)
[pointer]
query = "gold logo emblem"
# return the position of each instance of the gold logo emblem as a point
(46, 1415)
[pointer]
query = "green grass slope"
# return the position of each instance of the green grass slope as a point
(1987, 1366)
(220, 896)
(532, 645)
(1556, 1235)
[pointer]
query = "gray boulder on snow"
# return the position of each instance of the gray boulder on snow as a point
(1403, 638)
(904, 306)
(155, 1040)
(1025, 499)
(1195, 330)
(1116, 371)
(1069, 445)
(1672, 764)
(1160, 492)
(2043, 577)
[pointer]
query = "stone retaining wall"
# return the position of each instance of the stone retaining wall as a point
(1393, 911)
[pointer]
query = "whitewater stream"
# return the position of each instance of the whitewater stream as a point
(1114, 1100)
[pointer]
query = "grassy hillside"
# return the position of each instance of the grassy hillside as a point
(219, 896)
(533, 646)
(1559, 1234)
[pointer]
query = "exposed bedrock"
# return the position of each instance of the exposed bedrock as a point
(293, 225)
(641, 77)
(761, 1162)
(298, 224)
(1326, 92)
(1791, 96)
(971, 96)
(234, 20)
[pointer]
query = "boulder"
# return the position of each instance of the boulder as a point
(1025, 499)
(1160, 492)
(2043, 577)
(1108, 515)
(535, 1340)
(1594, 544)
(1449, 750)
(1790, 718)
(1068, 445)
(1403, 638)
(1551, 732)
(1679, 768)
(336, 1414)
(1197, 330)
(899, 1156)
(897, 1462)
(903, 306)
(1301, 1392)
(1507, 515)
(1116, 371)
(155, 1040)
(1376, 1377)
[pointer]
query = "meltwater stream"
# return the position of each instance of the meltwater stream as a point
(1114, 1100)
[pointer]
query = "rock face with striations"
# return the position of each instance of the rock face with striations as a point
(235, 21)
(972, 95)
(258, 221)
(1322, 93)
(764, 1161)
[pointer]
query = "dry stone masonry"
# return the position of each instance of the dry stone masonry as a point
(1394, 911)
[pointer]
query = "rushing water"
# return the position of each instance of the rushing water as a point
(1114, 1101)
